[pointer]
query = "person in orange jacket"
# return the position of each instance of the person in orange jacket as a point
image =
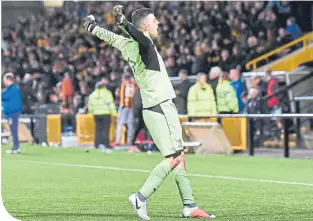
(67, 91)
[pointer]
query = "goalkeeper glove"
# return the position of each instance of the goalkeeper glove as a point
(89, 23)
(118, 15)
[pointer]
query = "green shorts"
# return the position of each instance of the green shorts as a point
(164, 126)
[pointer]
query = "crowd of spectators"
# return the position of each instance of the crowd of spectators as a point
(55, 61)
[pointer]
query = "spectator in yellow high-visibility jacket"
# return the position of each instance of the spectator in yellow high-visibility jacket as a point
(101, 105)
(201, 100)
(227, 102)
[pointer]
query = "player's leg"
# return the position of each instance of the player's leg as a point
(137, 128)
(106, 130)
(98, 131)
(179, 174)
(14, 130)
(105, 133)
(159, 129)
(190, 208)
(13, 123)
(161, 122)
(130, 125)
(120, 122)
(155, 179)
(139, 124)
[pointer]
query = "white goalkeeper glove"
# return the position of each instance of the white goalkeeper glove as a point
(118, 15)
(89, 23)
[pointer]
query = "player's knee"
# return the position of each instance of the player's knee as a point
(175, 159)
(173, 162)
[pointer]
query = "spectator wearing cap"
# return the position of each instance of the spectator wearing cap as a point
(238, 86)
(227, 102)
(101, 105)
(201, 99)
(11, 107)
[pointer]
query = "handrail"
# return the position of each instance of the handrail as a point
(259, 116)
(303, 98)
(303, 39)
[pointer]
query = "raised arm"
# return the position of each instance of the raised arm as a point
(128, 27)
(113, 39)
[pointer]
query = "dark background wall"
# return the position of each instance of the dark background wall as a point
(305, 14)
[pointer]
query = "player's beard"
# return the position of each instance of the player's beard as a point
(155, 36)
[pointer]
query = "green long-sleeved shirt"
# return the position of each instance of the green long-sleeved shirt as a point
(145, 61)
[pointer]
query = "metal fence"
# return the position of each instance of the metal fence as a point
(253, 117)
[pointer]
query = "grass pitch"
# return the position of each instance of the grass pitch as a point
(68, 184)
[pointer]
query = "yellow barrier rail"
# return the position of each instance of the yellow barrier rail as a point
(304, 40)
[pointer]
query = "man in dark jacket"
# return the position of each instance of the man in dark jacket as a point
(214, 75)
(139, 123)
(182, 90)
(261, 85)
(28, 96)
(138, 118)
(12, 106)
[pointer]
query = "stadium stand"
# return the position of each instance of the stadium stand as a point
(50, 44)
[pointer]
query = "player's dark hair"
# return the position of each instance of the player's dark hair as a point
(140, 14)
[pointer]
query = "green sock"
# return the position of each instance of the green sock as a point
(184, 187)
(155, 179)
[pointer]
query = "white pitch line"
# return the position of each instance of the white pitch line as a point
(148, 171)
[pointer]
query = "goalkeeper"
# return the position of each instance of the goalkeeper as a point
(159, 112)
